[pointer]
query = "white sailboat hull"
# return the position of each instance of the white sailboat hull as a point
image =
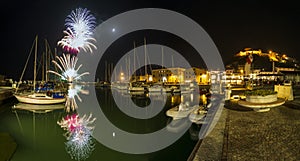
(39, 101)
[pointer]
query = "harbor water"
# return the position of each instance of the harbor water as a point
(39, 137)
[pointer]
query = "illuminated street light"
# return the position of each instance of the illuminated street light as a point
(122, 77)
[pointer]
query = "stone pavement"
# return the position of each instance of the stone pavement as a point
(247, 135)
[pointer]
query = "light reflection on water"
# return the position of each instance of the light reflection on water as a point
(39, 137)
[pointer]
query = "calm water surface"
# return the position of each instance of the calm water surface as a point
(40, 138)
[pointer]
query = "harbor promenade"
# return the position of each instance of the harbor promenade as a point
(243, 134)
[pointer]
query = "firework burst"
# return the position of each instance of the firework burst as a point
(68, 68)
(72, 43)
(81, 22)
(80, 25)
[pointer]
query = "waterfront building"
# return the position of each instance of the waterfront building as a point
(218, 81)
(168, 75)
(261, 67)
(234, 77)
(201, 76)
(291, 74)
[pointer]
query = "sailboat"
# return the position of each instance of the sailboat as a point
(39, 97)
(160, 87)
(136, 87)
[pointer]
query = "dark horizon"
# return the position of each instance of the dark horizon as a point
(232, 25)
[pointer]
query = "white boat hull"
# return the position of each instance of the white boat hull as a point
(198, 116)
(179, 114)
(39, 101)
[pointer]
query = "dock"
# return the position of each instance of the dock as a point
(243, 134)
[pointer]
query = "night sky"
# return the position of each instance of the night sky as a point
(232, 25)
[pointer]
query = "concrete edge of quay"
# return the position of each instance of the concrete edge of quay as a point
(214, 145)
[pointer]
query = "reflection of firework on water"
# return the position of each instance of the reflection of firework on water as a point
(80, 144)
(80, 25)
(73, 92)
(79, 135)
(72, 122)
(67, 67)
(69, 123)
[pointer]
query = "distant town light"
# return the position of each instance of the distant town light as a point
(164, 79)
(150, 78)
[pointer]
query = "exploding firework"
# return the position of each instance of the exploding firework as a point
(81, 22)
(79, 135)
(68, 68)
(73, 93)
(80, 25)
(72, 43)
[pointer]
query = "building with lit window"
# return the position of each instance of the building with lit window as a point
(168, 75)
(201, 76)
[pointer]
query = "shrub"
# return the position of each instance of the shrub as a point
(260, 92)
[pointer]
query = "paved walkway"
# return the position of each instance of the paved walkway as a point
(247, 135)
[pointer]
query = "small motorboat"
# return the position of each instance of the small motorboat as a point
(198, 115)
(181, 111)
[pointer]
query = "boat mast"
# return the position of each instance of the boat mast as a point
(34, 71)
(172, 61)
(146, 73)
(18, 84)
(162, 57)
(43, 67)
(46, 80)
(111, 72)
(49, 53)
(162, 63)
(134, 67)
(105, 72)
(128, 69)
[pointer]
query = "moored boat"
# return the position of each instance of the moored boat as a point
(198, 115)
(41, 98)
(41, 94)
(181, 111)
